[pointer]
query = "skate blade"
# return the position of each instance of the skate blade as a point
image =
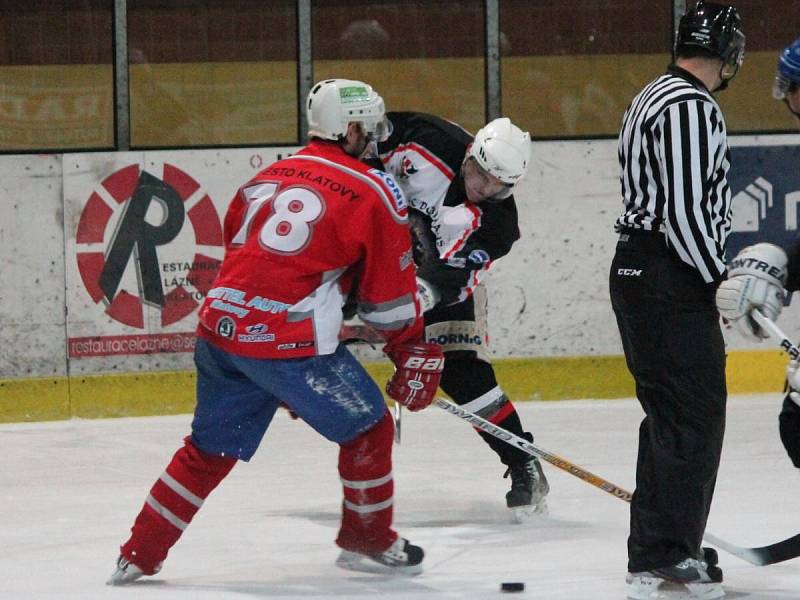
(352, 561)
(120, 578)
(653, 588)
(523, 514)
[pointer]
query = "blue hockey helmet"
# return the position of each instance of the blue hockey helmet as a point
(788, 74)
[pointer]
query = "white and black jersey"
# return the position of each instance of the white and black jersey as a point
(674, 159)
(455, 241)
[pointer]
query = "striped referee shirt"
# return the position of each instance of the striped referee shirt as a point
(674, 159)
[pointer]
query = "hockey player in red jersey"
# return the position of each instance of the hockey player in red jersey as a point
(299, 237)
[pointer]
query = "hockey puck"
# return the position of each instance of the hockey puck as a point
(512, 586)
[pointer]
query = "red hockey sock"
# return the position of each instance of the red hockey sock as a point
(365, 468)
(174, 499)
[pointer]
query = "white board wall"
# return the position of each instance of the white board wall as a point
(549, 297)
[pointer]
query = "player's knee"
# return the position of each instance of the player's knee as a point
(466, 376)
(196, 458)
(370, 453)
(379, 434)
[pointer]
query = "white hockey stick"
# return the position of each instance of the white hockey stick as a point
(398, 421)
(774, 331)
(765, 555)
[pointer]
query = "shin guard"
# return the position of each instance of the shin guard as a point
(365, 468)
(495, 407)
(173, 501)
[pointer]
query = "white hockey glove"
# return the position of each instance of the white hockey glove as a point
(428, 295)
(793, 381)
(755, 280)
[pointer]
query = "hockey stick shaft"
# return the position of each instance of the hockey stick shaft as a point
(765, 555)
(783, 341)
(398, 421)
(788, 548)
(534, 450)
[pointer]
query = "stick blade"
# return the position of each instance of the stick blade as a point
(763, 555)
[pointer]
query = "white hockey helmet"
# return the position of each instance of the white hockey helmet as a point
(335, 103)
(503, 150)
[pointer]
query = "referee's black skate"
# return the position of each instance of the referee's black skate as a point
(690, 579)
(529, 489)
(401, 558)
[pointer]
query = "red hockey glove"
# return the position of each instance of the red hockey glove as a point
(419, 369)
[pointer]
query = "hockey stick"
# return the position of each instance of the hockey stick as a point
(533, 450)
(398, 421)
(774, 331)
(764, 555)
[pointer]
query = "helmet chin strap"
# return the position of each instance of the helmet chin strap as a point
(499, 196)
(726, 80)
(502, 194)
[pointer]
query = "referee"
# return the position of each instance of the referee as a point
(674, 160)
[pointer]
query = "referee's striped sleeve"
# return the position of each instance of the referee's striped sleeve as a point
(688, 145)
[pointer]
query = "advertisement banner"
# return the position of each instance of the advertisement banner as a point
(56, 106)
(144, 243)
(765, 183)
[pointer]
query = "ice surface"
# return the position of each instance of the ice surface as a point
(69, 492)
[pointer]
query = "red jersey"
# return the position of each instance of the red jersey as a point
(298, 237)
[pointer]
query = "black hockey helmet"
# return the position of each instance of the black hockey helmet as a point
(716, 28)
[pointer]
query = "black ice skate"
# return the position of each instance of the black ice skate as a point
(710, 556)
(690, 579)
(529, 489)
(401, 558)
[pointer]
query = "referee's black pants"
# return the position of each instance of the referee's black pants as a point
(674, 349)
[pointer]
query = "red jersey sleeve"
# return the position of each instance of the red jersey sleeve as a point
(386, 295)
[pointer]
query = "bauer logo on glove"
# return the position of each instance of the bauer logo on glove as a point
(419, 370)
(424, 364)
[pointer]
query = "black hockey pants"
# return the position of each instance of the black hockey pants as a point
(789, 427)
(461, 331)
(675, 351)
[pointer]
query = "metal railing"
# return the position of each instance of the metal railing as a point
(305, 71)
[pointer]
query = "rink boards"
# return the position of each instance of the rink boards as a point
(91, 325)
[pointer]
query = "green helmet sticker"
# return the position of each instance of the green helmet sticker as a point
(353, 93)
